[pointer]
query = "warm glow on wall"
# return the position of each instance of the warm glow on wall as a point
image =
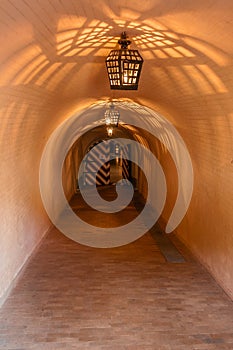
(173, 57)
(81, 40)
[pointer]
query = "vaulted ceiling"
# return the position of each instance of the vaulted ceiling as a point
(57, 49)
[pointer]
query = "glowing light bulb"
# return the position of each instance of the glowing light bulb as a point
(110, 131)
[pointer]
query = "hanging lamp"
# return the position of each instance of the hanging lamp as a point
(124, 66)
(112, 115)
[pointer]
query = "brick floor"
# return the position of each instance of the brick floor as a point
(76, 297)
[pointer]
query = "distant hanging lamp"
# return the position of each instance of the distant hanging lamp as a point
(124, 66)
(109, 131)
(112, 115)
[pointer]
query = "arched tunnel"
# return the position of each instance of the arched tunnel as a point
(178, 126)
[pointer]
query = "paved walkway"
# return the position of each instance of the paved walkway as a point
(76, 297)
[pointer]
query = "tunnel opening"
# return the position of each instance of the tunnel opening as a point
(103, 167)
(62, 148)
(117, 165)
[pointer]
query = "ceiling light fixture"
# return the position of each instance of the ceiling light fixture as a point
(109, 131)
(124, 66)
(112, 115)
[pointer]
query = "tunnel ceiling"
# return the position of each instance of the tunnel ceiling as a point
(54, 51)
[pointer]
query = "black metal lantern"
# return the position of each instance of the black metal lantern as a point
(124, 66)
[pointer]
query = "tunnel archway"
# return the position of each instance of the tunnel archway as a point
(133, 114)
